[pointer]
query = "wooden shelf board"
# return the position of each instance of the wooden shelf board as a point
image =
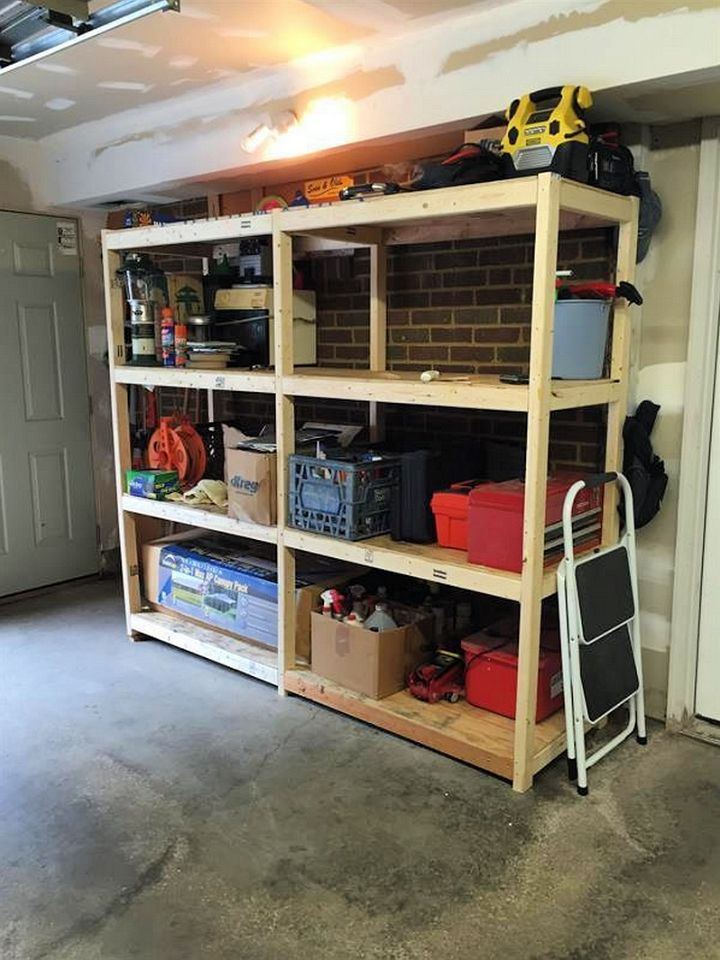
(603, 206)
(207, 519)
(243, 381)
(496, 208)
(425, 561)
(479, 392)
(408, 209)
(570, 394)
(459, 730)
(210, 231)
(241, 655)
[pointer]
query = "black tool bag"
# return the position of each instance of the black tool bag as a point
(644, 470)
(611, 167)
(470, 163)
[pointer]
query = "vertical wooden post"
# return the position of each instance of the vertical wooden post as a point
(619, 370)
(538, 434)
(127, 533)
(378, 328)
(285, 431)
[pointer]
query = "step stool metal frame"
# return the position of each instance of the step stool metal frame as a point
(572, 637)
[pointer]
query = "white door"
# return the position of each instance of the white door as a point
(707, 694)
(47, 500)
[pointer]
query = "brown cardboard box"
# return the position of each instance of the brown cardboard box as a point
(251, 478)
(307, 598)
(252, 485)
(376, 664)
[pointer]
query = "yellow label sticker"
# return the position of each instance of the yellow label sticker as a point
(326, 189)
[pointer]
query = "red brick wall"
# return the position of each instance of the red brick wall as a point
(461, 307)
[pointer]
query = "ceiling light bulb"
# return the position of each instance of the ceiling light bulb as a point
(254, 140)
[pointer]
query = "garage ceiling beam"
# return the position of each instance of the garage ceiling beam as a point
(77, 9)
(29, 39)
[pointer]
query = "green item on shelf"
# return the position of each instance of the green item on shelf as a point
(152, 484)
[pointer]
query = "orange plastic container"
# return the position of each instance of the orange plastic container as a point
(450, 508)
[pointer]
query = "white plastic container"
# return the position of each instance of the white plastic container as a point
(580, 339)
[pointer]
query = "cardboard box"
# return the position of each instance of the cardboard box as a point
(152, 484)
(251, 478)
(233, 589)
(249, 297)
(374, 663)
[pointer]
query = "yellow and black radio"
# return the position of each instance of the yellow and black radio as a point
(547, 131)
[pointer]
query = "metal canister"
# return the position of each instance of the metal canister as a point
(142, 332)
(198, 326)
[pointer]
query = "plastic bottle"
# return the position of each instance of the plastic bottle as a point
(167, 332)
(380, 619)
(180, 345)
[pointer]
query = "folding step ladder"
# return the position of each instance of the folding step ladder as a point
(599, 634)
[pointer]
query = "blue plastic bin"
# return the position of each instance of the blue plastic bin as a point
(580, 339)
(350, 499)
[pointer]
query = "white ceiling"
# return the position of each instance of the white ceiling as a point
(169, 54)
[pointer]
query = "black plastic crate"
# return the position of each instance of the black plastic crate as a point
(346, 498)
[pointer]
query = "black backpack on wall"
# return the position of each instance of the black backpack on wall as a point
(644, 470)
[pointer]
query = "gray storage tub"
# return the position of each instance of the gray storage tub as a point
(580, 339)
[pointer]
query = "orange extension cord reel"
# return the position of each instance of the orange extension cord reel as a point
(176, 445)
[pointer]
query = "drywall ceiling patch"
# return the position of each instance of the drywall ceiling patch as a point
(57, 68)
(125, 85)
(560, 24)
(132, 46)
(60, 103)
(18, 94)
(182, 63)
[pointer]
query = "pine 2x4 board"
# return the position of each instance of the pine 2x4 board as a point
(543, 204)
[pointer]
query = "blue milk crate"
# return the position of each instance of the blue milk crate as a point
(350, 499)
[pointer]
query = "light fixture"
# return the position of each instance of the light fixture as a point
(327, 122)
(271, 130)
(33, 31)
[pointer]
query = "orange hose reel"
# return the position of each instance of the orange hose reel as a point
(176, 445)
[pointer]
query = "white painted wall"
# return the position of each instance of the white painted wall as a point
(659, 372)
(453, 70)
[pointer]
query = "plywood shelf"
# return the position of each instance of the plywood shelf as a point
(504, 207)
(481, 392)
(233, 652)
(425, 561)
(188, 233)
(203, 517)
(474, 392)
(459, 730)
(242, 381)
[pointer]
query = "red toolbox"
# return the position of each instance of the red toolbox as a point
(450, 509)
(491, 677)
(495, 520)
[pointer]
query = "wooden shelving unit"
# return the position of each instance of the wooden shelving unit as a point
(193, 239)
(543, 205)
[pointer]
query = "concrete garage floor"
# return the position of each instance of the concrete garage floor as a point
(156, 806)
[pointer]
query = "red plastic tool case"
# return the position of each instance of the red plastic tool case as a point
(495, 521)
(450, 509)
(491, 677)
